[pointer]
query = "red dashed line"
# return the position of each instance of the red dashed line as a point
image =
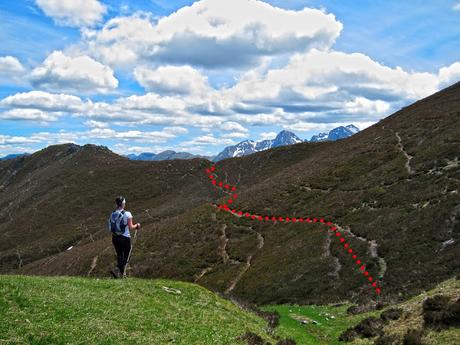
(332, 227)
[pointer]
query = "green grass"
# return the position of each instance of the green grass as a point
(71, 310)
(64, 310)
(328, 329)
(331, 321)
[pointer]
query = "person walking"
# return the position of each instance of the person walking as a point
(120, 223)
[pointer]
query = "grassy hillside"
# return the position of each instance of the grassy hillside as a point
(326, 323)
(394, 188)
(62, 310)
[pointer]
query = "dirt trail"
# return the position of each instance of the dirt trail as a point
(372, 249)
(327, 253)
(400, 147)
(223, 244)
(246, 264)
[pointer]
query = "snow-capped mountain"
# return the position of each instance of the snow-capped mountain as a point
(286, 138)
(319, 137)
(283, 138)
(248, 147)
(243, 148)
(336, 134)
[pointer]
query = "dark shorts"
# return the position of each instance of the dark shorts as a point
(122, 246)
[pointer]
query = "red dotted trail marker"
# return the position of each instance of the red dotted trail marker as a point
(322, 221)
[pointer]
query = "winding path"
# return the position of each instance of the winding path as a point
(334, 230)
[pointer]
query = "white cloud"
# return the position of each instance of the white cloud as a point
(35, 115)
(10, 149)
(233, 126)
(173, 80)
(134, 135)
(175, 130)
(45, 101)
(11, 70)
(73, 13)
(362, 105)
(96, 134)
(235, 135)
(450, 74)
(267, 135)
(324, 81)
(8, 140)
(456, 7)
(304, 126)
(96, 124)
(65, 73)
(213, 33)
(208, 140)
(10, 65)
(311, 88)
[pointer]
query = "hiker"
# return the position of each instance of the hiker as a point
(120, 222)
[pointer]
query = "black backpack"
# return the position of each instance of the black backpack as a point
(116, 225)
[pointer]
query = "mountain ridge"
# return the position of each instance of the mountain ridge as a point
(283, 138)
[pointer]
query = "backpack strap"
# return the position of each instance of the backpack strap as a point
(122, 225)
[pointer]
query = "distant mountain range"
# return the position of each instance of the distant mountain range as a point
(248, 146)
(243, 148)
(165, 155)
(13, 155)
(335, 134)
(283, 138)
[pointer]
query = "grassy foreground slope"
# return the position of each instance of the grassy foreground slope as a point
(64, 310)
(70, 310)
(325, 323)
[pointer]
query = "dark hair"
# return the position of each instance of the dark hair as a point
(119, 201)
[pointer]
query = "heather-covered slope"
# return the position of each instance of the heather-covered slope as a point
(394, 188)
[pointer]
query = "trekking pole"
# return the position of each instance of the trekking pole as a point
(129, 255)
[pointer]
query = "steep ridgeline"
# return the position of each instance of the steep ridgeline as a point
(393, 188)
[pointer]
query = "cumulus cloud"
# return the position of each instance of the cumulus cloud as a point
(304, 126)
(209, 139)
(235, 135)
(213, 34)
(96, 124)
(79, 13)
(267, 135)
(10, 65)
(233, 126)
(11, 70)
(172, 80)
(29, 115)
(456, 6)
(45, 101)
(95, 134)
(80, 74)
(134, 135)
(450, 74)
(332, 81)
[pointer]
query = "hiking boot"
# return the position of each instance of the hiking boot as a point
(116, 273)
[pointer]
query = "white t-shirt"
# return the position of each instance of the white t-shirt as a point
(127, 215)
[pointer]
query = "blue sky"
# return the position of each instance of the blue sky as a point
(146, 76)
